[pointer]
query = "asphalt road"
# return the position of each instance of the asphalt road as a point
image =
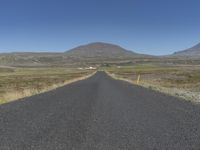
(100, 113)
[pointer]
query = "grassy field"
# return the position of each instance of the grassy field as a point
(177, 80)
(16, 83)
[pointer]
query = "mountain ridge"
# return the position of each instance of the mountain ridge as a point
(100, 49)
(195, 50)
(92, 53)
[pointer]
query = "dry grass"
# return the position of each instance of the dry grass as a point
(181, 80)
(20, 83)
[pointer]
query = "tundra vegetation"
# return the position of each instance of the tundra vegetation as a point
(18, 82)
(32, 73)
(177, 80)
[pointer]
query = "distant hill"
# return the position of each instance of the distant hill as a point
(29, 59)
(194, 51)
(91, 53)
(101, 50)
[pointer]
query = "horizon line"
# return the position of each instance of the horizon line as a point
(63, 51)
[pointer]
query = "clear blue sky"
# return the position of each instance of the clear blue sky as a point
(146, 26)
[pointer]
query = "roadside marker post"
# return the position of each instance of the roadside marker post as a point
(138, 79)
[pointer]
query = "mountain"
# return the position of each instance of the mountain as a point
(101, 50)
(193, 51)
(91, 53)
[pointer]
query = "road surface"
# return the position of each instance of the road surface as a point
(100, 113)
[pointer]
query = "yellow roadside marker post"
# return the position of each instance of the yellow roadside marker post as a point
(138, 79)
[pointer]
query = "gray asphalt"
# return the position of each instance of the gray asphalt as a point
(100, 113)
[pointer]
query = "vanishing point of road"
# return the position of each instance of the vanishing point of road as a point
(100, 113)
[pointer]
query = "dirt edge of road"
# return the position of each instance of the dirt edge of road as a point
(185, 95)
(30, 93)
